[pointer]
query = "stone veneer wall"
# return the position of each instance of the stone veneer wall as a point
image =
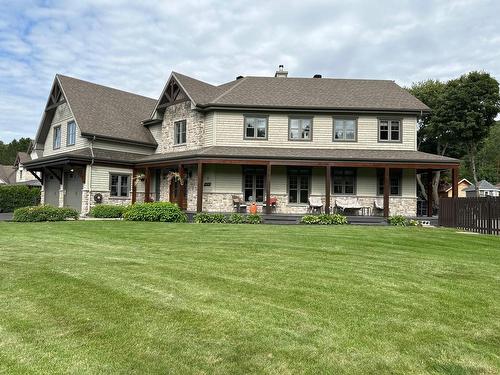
(195, 128)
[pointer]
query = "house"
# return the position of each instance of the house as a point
(7, 175)
(485, 189)
(342, 142)
(447, 192)
(17, 174)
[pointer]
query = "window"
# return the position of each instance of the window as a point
(71, 134)
(180, 132)
(395, 182)
(20, 174)
(119, 185)
(344, 181)
(389, 130)
(344, 129)
(300, 129)
(255, 127)
(253, 184)
(57, 138)
(298, 185)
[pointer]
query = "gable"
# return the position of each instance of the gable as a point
(172, 94)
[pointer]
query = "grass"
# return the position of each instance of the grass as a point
(120, 297)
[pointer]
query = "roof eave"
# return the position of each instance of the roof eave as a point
(119, 140)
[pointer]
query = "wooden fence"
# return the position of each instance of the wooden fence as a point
(480, 215)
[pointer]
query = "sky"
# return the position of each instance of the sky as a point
(134, 45)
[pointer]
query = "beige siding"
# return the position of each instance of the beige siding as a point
(209, 130)
(124, 147)
(409, 183)
(100, 176)
(61, 118)
(156, 132)
(229, 131)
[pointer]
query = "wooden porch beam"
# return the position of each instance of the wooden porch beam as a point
(268, 188)
(429, 193)
(199, 190)
(180, 196)
(454, 183)
(387, 186)
(147, 186)
(36, 176)
(328, 179)
(134, 185)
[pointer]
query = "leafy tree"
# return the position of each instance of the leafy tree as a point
(8, 151)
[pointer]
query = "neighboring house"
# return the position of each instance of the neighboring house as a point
(257, 138)
(448, 189)
(24, 176)
(485, 189)
(7, 175)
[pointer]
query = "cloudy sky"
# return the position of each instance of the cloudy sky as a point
(133, 45)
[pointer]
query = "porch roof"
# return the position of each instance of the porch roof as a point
(84, 156)
(301, 154)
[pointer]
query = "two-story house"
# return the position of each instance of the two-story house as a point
(277, 140)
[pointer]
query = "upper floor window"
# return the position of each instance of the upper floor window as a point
(180, 132)
(344, 129)
(71, 134)
(57, 138)
(395, 177)
(389, 130)
(119, 185)
(344, 181)
(255, 127)
(300, 128)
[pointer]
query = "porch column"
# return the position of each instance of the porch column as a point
(387, 183)
(147, 185)
(199, 190)
(134, 185)
(268, 188)
(328, 179)
(429, 192)
(180, 198)
(454, 183)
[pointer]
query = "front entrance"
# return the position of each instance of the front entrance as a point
(176, 189)
(73, 190)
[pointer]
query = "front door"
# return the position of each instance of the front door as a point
(176, 189)
(73, 190)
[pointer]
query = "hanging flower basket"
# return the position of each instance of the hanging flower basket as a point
(175, 176)
(140, 177)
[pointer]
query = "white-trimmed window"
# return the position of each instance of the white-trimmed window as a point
(71, 133)
(389, 130)
(180, 132)
(119, 185)
(255, 127)
(344, 129)
(300, 128)
(57, 138)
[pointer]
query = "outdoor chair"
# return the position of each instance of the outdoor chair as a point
(273, 202)
(346, 204)
(378, 205)
(315, 205)
(238, 204)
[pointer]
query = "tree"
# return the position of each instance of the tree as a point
(467, 111)
(8, 151)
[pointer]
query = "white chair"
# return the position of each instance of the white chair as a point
(344, 204)
(315, 205)
(378, 204)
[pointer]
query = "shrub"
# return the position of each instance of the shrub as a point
(107, 211)
(204, 217)
(236, 218)
(44, 213)
(253, 219)
(16, 196)
(324, 219)
(401, 221)
(155, 211)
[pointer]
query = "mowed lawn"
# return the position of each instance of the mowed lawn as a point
(121, 297)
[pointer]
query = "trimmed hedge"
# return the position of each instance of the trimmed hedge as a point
(16, 196)
(155, 211)
(402, 221)
(107, 211)
(235, 218)
(44, 213)
(324, 219)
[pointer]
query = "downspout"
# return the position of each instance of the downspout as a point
(90, 171)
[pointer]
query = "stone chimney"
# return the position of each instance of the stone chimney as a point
(281, 72)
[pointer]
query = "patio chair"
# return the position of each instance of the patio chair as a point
(315, 205)
(238, 204)
(346, 204)
(378, 205)
(273, 202)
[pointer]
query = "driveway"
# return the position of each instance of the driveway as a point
(5, 216)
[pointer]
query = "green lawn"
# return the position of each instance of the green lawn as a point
(121, 297)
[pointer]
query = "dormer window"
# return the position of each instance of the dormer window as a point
(57, 138)
(180, 132)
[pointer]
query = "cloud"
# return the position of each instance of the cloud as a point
(135, 45)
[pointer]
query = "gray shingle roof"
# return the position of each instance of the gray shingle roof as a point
(23, 157)
(303, 93)
(7, 174)
(106, 112)
(483, 185)
(269, 153)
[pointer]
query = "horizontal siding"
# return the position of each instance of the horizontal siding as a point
(228, 179)
(156, 131)
(229, 132)
(114, 146)
(209, 130)
(61, 118)
(100, 176)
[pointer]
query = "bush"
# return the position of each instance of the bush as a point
(236, 218)
(44, 213)
(204, 217)
(324, 219)
(253, 219)
(155, 211)
(107, 211)
(16, 196)
(401, 221)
